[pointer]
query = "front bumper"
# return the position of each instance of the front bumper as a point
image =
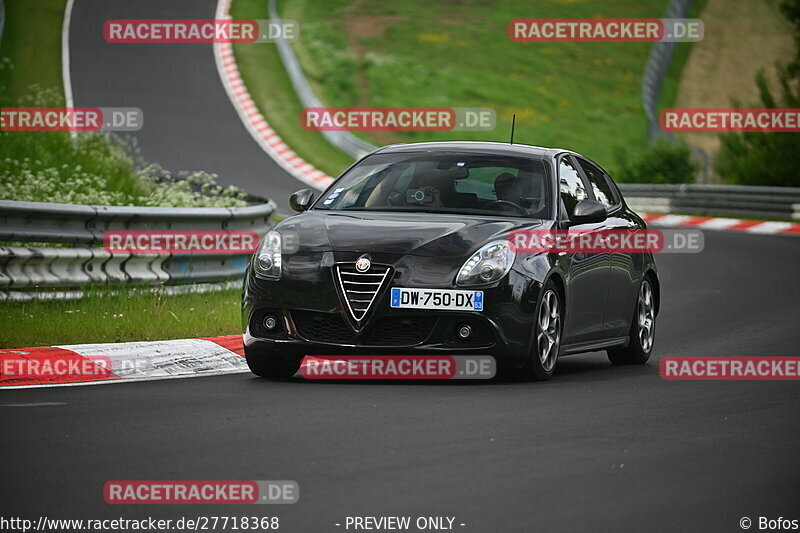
(313, 321)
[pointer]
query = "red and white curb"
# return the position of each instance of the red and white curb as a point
(758, 227)
(87, 364)
(254, 121)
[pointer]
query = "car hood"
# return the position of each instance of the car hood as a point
(422, 234)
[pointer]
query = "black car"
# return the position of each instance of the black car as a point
(408, 253)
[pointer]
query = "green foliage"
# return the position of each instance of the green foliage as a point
(663, 162)
(581, 96)
(95, 168)
(773, 158)
(791, 8)
(763, 158)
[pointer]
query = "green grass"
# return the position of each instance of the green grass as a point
(669, 85)
(101, 169)
(49, 166)
(582, 96)
(32, 44)
(129, 316)
(95, 169)
(271, 89)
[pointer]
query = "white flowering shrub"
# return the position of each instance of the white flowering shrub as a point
(96, 168)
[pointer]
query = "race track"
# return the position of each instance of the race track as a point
(189, 121)
(597, 448)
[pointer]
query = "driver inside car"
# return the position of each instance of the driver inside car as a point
(508, 188)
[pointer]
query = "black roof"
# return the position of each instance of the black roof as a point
(472, 146)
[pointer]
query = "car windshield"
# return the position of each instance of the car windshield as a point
(460, 183)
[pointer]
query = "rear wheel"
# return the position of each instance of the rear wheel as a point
(547, 336)
(270, 365)
(643, 330)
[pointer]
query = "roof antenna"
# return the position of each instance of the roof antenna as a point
(513, 122)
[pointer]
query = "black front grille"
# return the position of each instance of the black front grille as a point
(387, 331)
(400, 331)
(323, 327)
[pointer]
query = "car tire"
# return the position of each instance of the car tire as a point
(547, 328)
(270, 366)
(642, 332)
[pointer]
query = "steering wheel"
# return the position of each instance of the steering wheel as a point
(504, 203)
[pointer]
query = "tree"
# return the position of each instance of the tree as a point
(768, 158)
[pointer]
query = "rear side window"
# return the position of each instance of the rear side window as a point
(601, 188)
(571, 187)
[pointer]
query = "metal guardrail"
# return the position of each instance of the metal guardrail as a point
(85, 263)
(344, 140)
(23, 268)
(726, 200)
(656, 68)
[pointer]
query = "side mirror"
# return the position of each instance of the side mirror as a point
(588, 211)
(301, 200)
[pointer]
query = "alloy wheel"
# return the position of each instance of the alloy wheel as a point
(646, 316)
(548, 336)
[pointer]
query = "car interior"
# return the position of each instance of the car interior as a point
(478, 185)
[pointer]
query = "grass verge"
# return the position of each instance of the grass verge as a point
(95, 169)
(100, 169)
(582, 96)
(32, 45)
(127, 316)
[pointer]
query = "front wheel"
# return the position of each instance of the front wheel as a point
(547, 336)
(270, 365)
(643, 330)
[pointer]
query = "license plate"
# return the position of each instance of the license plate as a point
(436, 299)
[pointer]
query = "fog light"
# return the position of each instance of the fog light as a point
(270, 322)
(464, 332)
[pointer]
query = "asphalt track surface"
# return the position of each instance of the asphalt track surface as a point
(598, 448)
(189, 121)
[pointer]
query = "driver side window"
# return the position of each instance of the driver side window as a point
(570, 185)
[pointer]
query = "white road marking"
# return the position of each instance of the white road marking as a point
(32, 404)
(153, 359)
(66, 76)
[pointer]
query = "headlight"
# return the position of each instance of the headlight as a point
(267, 262)
(490, 263)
